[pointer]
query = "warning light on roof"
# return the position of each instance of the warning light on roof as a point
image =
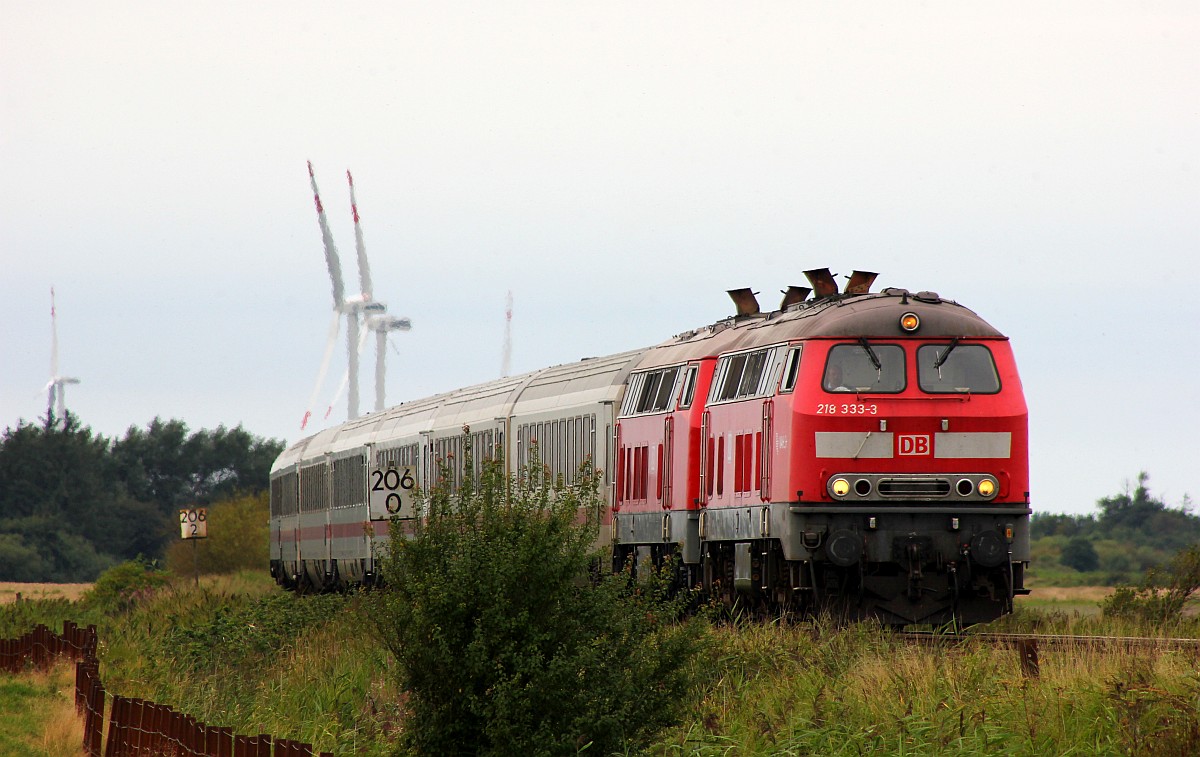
(910, 322)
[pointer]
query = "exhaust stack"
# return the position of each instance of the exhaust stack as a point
(793, 295)
(822, 282)
(744, 300)
(860, 282)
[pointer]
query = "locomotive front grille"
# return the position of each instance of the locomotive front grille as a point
(913, 487)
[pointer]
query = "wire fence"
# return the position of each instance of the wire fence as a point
(135, 727)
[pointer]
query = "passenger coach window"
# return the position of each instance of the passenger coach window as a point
(957, 368)
(865, 367)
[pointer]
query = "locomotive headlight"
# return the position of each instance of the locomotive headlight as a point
(910, 322)
(840, 487)
(987, 487)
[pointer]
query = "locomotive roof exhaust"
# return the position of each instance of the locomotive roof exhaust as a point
(860, 282)
(745, 301)
(822, 282)
(825, 285)
(792, 295)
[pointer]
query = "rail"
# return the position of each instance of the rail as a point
(135, 727)
(1027, 645)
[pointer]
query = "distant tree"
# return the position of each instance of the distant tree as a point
(72, 503)
(1054, 524)
(57, 490)
(166, 465)
(21, 561)
(1140, 513)
(56, 469)
(1080, 555)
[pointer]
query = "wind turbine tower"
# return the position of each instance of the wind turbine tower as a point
(56, 387)
(506, 355)
(383, 325)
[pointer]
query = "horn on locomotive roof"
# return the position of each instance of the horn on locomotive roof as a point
(822, 281)
(860, 282)
(792, 295)
(744, 300)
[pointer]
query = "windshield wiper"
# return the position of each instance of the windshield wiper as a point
(941, 360)
(870, 353)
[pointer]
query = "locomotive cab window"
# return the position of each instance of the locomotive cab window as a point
(650, 392)
(865, 367)
(746, 374)
(791, 366)
(689, 388)
(957, 369)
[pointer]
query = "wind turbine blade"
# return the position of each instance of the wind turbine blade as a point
(330, 343)
(331, 253)
(364, 269)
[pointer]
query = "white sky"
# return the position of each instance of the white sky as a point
(618, 166)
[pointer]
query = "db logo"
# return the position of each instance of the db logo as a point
(914, 444)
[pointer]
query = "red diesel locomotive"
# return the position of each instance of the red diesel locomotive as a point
(863, 453)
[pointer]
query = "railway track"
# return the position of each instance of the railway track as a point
(1051, 639)
(1027, 645)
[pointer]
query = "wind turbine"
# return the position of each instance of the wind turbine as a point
(56, 387)
(372, 312)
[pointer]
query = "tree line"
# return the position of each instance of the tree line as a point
(74, 503)
(1129, 533)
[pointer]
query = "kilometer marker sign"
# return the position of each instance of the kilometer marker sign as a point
(193, 523)
(391, 491)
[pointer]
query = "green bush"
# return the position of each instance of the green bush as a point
(1161, 596)
(505, 640)
(1080, 554)
(121, 588)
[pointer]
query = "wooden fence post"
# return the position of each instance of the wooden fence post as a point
(1028, 649)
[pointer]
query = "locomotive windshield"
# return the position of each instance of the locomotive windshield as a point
(865, 367)
(957, 368)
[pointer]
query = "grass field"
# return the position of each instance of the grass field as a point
(37, 714)
(238, 652)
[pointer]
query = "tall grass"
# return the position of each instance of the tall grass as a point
(37, 713)
(817, 689)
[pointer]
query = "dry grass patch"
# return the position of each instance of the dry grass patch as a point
(10, 590)
(1070, 593)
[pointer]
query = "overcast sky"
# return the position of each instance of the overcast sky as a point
(617, 166)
